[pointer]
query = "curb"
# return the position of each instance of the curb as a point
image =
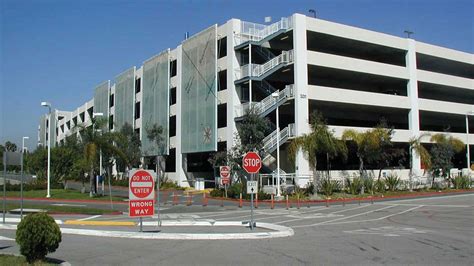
(68, 200)
(278, 231)
(369, 198)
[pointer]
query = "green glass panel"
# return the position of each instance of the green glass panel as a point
(199, 92)
(155, 104)
(101, 101)
(124, 98)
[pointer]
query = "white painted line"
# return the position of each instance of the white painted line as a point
(368, 220)
(299, 219)
(435, 197)
(343, 218)
(435, 205)
(277, 231)
(71, 205)
(2, 238)
(89, 218)
(17, 220)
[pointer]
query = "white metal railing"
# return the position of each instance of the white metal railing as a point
(267, 102)
(256, 32)
(256, 70)
(270, 141)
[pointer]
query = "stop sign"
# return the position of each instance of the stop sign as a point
(141, 185)
(252, 162)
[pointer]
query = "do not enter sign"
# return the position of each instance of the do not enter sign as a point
(141, 193)
(252, 162)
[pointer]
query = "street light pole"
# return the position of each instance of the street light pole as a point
(94, 115)
(47, 104)
(275, 97)
(468, 152)
(21, 185)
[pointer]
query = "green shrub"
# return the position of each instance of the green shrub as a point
(36, 184)
(354, 185)
(460, 182)
(369, 185)
(328, 186)
(380, 186)
(37, 235)
(392, 182)
(217, 193)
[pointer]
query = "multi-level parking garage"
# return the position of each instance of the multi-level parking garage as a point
(200, 90)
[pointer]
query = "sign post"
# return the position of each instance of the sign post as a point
(225, 177)
(252, 163)
(141, 194)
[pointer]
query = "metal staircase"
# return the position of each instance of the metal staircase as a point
(258, 33)
(264, 53)
(259, 72)
(270, 141)
(267, 105)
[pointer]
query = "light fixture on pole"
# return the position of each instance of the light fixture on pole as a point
(94, 115)
(275, 96)
(408, 33)
(312, 11)
(468, 153)
(47, 104)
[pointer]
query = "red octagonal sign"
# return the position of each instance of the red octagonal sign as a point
(252, 162)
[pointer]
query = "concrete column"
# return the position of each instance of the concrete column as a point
(180, 171)
(301, 92)
(412, 90)
(233, 28)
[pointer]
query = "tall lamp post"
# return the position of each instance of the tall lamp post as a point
(94, 115)
(275, 96)
(21, 185)
(47, 104)
(468, 153)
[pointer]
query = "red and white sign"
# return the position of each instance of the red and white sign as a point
(141, 193)
(252, 162)
(225, 174)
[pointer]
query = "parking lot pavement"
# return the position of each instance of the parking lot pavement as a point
(428, 231)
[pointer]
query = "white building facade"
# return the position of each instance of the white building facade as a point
(199, 91)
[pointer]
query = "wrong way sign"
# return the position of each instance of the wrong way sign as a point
(141, 193)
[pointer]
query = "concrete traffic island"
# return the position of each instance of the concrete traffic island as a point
(172, 230)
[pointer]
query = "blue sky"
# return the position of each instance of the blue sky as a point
(59, 50)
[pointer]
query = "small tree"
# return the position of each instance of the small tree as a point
(442, 153)
(128, 142)
(155, 134)
(321, 140)
(37, 235)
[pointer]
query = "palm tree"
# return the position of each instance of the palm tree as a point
(371, 144)
(420, 150)
(320, 140)
(92, 142)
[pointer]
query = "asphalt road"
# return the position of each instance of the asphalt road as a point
(427, 231)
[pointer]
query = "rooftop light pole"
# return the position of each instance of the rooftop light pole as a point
(408, 33)
(21, 185)
(47, 104)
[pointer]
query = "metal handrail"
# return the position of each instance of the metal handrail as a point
(256, 70)
(267, 102)
(270, 141)
(256, 32)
